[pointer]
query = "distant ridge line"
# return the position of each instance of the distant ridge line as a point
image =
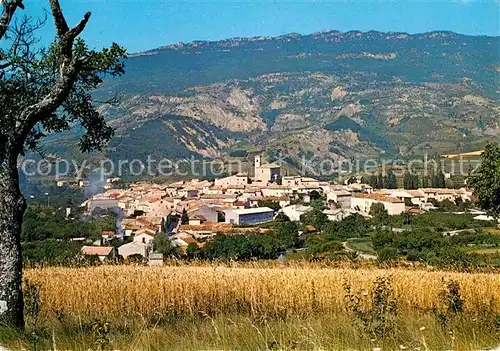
(318, 35)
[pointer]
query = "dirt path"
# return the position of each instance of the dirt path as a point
(361, 254)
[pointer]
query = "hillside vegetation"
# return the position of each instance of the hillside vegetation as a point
(331, 94)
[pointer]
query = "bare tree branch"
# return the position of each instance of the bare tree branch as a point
(66, 36)
(23, 49)
(9, 7)
(60, 22)
(68, 69)
(74, 32)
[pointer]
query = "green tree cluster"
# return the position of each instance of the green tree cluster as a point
(42, 222)
(427, 245)
(388, 181)
(163, 244)
(314, 217)
(411, 180)
(379, 214)
(269, 203)
(486, 180)
(282, 237)
(184, 217)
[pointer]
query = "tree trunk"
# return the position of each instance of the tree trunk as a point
(12, 207)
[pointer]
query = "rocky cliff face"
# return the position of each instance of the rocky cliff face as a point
(330, 94)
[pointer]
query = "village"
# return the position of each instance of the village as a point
(194, 211)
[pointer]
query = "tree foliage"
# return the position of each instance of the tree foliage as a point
(269, 203)
(184, 217)
(241, 247)
(437, 179)
(51, 251)
(379, 214)
(42, 222)
(42, 90)
(350, 227)
(390, 180)
(314, 217)
(486, 180)
(48, 89)
(162, 244)
(411, 180)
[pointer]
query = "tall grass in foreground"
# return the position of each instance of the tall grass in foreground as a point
(237, 332)
(256, 306)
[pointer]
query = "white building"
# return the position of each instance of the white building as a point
(337, 214)
(267, 172)
(440, 194)
(155, 259)
(295, 211)
(196, 219)
(291, 181)
(341, 197)
(144, 238)
(363, 203)
(103, 252)
(417, 197)
(209, 213)
(237, 179)
(249, 215)
(134, 248)
(275, 190)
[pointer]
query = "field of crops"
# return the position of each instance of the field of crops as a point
(126, 290)
(258, 306)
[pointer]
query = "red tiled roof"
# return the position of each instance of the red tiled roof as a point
(415, 193)
(190, 240)
(208, 226)
(271, 198)
(415, 211)
(144, 221)
(378, 197)
(440, 191)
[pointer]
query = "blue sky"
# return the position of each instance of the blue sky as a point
(141, 25)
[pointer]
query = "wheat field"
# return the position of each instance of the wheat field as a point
(118, 291)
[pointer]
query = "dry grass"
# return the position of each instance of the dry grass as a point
(490, 251)
(494, 231)
(236, 332)
(118, 291)
(464, 154)
(254, 306)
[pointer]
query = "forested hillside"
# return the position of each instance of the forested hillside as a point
(332, 94)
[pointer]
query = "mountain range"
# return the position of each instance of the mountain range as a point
(330, 94)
